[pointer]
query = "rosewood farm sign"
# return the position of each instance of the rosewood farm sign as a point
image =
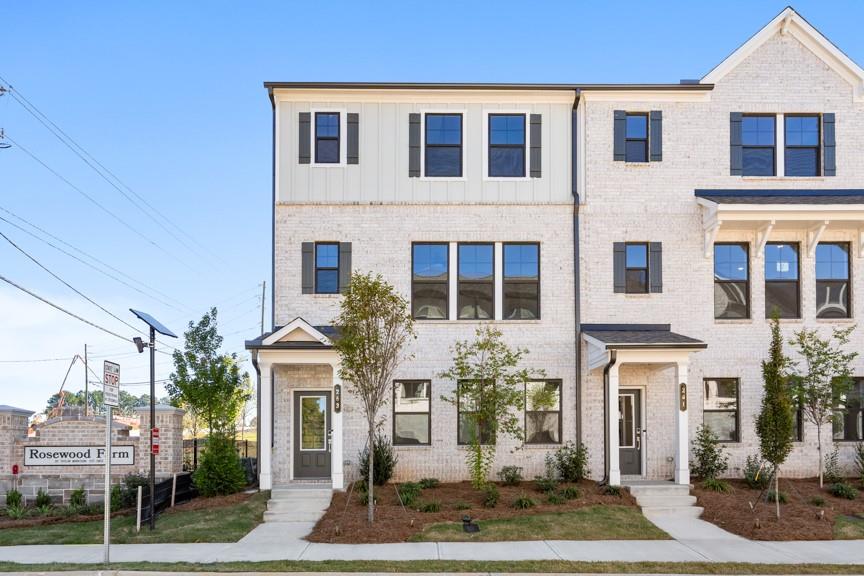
(77, 455)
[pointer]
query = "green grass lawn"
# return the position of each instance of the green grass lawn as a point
(849, 527)
(590, 523)
(223, 524)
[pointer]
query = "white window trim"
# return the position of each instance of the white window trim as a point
(343, 144)
(780, 150)
(423, 176)
(527, 159)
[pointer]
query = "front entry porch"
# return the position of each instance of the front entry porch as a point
(645, 370)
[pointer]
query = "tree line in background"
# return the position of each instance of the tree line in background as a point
(128, 401)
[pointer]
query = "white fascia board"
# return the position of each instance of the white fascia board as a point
(297, 323)
(647, 95)
(444, 96)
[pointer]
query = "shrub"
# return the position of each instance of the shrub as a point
(116, 498)
(610, 490)
(757, 473)
(409, 492)
(523, 502)
(510, 475)
(571, 462)
(16, 511)
(771, 496)
(832, 474)
(545, 484)
(363, 497)
(385, 460)
(45, 510)
(219, 472)
(843, 490)
(859, 461)
(462, 506)
(433, 506)
(43, 499)
(570, 492)
(556, 499)
(817, 501)
(426, 483)
(13, 498)
(77, 500)
(716, 485)
(490, 496)
(129, 490)
(709, 456)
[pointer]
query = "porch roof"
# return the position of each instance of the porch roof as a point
(638, 337)
(280, 338)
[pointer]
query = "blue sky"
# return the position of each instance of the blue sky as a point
(168, 97)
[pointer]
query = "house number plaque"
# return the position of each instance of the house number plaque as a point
(682, 396)
(337, 398)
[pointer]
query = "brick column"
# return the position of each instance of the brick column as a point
(169, 420)
(13, 426)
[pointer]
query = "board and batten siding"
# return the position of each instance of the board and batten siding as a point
(382, 172)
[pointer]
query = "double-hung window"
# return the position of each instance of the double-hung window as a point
(327, 138)
(720, 408)
(543, 412)
(521, 281)
(443, 145)
(636, 138)
(758, 145)
(781, 280)
(476, 282)
(506, 145)
(327, 267)
(430, 279)
(849, 424)
(470, 424)
(412, 419)
(832, 280)
(636, 267)
(731, 281)
(802, 145)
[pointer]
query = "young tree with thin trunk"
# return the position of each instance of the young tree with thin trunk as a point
(774, 422)
(820, 388)
(374, 323)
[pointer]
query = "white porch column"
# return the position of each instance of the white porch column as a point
(614, 454)
(682, 434)
(265, 427)
(336, 460)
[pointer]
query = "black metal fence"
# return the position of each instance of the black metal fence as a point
(182, 491)
(193, 448)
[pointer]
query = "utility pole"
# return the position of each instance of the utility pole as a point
(152, 426)
(263, 291)
(86, 384)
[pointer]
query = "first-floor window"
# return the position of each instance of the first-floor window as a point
(636, 267)
(327, 268)
(412, 419)
(470, 425)
(849, 422)
(781, 280)
(720, 408)
(543, 412)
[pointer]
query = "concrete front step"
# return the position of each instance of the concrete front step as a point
(665, 489)
(292, 516)
(664, 501)
(316, 505)
(673, 511)
(303, 494)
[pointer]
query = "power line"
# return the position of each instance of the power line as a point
(36, 360)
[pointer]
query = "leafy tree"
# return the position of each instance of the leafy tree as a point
(775, 420)
(490, 389)
(374, 323)
(821, 387)
(210, 384)
(220, 471)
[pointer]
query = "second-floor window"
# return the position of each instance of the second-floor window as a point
(476, 282)
(507, 145)
(781, 280)
(327, 268)
(636, 138)
(802, 145)
(327, 138)
(443, 145)
(758, 138)
(731, 281)
(430, 279)
(832, 280)
(521, 281)
(636, 268)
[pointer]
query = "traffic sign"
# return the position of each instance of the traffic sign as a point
(111, 384)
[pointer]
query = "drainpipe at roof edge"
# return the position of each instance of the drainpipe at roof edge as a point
(273, 213)
(607, 410)
(576, 288)
(254, 355)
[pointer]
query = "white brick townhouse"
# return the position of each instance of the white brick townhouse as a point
(633, 237)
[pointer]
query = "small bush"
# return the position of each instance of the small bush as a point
(45, 510)
(462, 506)
(716, 485)
(570, 492)
(219, 472)
(131, 482)
(385, 460)
(817, 501)
(523, 502)
(490, 496)
(116, 498)
(831, 473)
(510, 475)
(433, 506)
(556, 499)
(859, 461)
(843, 490)
(13, 498)
(43, 499)
(610, 490)
(77, 500)
(571, 462)
(409, 492)
(16, 512)
(363, 497)
(427, 483)
(771, 496)
(709, 457)
(757, 473)
(545, 484)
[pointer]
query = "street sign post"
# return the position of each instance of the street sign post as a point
(111, 398)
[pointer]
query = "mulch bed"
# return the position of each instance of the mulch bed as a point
(348, 524)
(799, 518)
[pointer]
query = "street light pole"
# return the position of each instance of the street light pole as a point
(152, 425)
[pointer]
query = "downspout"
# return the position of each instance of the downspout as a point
(613, 357)
(254, 356)
(577, 294)
(273, 214)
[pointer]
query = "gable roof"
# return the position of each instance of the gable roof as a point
(296, 334)
(790, 22)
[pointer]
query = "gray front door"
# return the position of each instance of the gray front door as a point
(630, 431)
(312, 434)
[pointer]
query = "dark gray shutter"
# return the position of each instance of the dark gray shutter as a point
(620, 133)
(736, 152)
(304, 132)
(536, 135)
(308, 267)
(655, 135)
(829, 163)
(353, 138)
(619, 274)
(414, 145)
(344, 266)
(655, 267)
